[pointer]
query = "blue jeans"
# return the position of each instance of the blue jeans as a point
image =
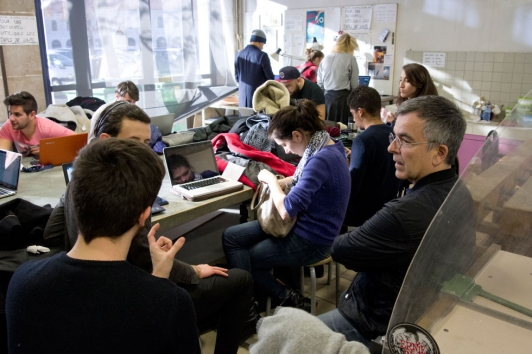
(248, 247)
(337, 322)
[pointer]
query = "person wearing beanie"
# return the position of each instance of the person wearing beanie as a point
(302, 89)
(252, 68)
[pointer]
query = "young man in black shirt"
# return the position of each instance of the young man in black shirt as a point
(301, 88)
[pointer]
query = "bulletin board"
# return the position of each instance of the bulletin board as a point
(374, 27)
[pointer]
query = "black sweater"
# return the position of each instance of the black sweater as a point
(65, 305)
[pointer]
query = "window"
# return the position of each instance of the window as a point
(54, 25)
(166, 46)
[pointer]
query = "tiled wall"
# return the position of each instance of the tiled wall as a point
(499, 77)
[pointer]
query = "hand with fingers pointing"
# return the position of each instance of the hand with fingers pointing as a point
(162, 252)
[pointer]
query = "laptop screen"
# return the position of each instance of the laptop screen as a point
(9, 169)
(190, 162)
(364, 80)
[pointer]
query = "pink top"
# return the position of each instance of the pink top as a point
(45, 129)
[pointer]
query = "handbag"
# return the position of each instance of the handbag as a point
(267, 214)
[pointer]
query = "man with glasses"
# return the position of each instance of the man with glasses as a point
(127, 91)
(426, 139)
(222, 298)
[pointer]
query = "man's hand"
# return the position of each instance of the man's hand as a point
(162, 253)
(205, 270)
(34, 150)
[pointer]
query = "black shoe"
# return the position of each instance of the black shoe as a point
(250, 327)
(294, 298)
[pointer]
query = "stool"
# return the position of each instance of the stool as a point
(327, 260)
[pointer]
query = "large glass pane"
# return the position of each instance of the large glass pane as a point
(60, 64)
(113, 31)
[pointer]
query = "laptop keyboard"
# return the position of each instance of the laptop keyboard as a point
(5, 192)
(203, 183)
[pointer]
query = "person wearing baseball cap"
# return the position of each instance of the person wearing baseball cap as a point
(252, 68)
(301, 88)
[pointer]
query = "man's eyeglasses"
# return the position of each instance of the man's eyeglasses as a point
(400, 142)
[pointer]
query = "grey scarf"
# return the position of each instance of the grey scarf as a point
(318, 140)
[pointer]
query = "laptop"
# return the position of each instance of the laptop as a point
(155, 208)
(57, 151)
(201, 179)
(9, 172)
(364, 80)
(164, 123)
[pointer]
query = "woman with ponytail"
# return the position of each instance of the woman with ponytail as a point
(309, 70)
(319, 192)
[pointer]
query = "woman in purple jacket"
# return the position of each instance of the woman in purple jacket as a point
(319, 192)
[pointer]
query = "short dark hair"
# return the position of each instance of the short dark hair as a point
(419, 77)
(176, 160)
(110, 120)
(442, 122)
(113, 182)
(304, 117)
(24, 99)
(367, 98)
(128, 87)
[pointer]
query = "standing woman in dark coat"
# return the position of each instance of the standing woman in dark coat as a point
(252, 68)
(338, 75)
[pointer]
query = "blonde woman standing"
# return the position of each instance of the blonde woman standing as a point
(338, 75)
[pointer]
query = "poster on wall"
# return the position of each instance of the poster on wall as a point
(379, 71)
(315, 26)
(378, 54)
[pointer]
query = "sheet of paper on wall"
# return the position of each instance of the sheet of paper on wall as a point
(298, 45)
(18, 30)
(287, 48)
(436, 60)
(385, 13)
(357, 18)
(294, 23)
(388, 59)
(384, 35)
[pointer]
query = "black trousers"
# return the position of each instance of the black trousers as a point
(223, 303)
(336, 105)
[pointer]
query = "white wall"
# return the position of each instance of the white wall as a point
(446, 25)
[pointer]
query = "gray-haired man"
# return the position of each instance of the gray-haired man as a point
(425, 143)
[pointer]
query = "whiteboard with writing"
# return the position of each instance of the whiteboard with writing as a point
(18, 30)
(436, 60)
(357, 18)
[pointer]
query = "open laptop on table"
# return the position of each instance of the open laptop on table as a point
(57, 151)
(9, 172)
(201, 179)
(164, 123)
(156, 207)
